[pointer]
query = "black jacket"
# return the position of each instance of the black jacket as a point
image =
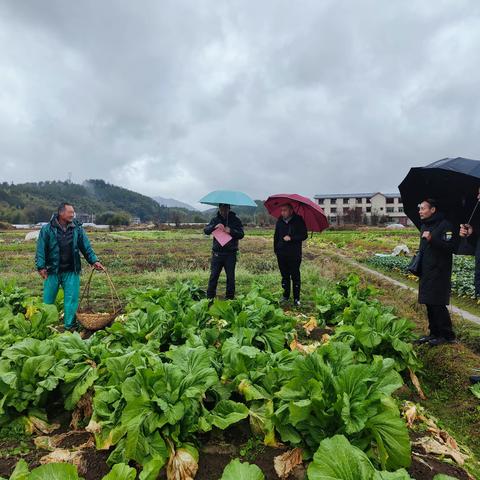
(436, 270)
(296, 229)
(471, 246)
(236, 231)
(65, 243)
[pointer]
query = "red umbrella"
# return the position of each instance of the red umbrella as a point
(314, 217)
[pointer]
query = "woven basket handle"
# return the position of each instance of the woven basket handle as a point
(114, 297)
(113, 293)
(86, 290)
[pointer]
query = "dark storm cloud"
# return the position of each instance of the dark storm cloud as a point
(176, 98)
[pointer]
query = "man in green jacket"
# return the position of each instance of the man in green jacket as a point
(58, 260)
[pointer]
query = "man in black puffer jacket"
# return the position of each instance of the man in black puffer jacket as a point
(437, 243)
(224, 256)
(290, 232)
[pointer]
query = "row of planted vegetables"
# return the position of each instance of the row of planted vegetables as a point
(174, 366)
(463, 271)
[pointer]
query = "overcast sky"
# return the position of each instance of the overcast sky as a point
(177, 98)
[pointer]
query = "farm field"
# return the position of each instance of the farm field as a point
(238, 369)
(363, 245)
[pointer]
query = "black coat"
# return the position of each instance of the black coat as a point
(236, 231)
(436, 269)
(296, 229)
(471, 246)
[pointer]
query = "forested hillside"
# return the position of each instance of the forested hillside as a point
(35, 202)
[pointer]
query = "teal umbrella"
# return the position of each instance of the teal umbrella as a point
(231, 197)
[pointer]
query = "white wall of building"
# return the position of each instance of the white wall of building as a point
(365, 205)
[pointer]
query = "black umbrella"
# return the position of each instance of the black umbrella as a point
(453, 182)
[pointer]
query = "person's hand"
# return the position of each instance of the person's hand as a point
(465, 230)
(98, 266)
(427, 235)
(219, 226)
(287, 238)
(227, 229)
(43, 273)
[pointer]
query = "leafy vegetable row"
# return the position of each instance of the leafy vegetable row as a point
(174, 366)
(462, 273)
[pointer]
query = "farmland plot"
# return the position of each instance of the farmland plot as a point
(176, 385)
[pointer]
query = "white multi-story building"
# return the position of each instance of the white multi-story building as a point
(363, 207)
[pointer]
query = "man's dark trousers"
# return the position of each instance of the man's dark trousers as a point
(228, 262)
(289, 266)
(439, 322)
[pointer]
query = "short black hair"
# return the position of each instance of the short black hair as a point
(432, 202)
(62, 206)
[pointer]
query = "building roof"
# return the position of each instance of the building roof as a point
(391, 195)
(356, 195)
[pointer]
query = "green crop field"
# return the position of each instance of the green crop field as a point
(177, 388)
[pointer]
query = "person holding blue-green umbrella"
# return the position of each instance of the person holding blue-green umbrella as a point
(58, 261)
(224, 251)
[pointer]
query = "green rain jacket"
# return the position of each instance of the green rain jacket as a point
(48, 249)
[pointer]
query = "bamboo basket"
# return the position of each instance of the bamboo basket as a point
(96, 321)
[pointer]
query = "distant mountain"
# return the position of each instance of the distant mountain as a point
(172, 203)
(36, 201)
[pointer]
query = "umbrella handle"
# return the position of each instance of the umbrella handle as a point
(473, 212)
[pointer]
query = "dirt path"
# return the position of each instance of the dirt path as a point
(457, 311)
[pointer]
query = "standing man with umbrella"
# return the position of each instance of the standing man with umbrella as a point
(290, 232)
(471, 231)
(453, 182)
(472, 234)
(437, 244)
(227, 230)
(296, 215)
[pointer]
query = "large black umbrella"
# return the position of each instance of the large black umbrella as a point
(453, 182)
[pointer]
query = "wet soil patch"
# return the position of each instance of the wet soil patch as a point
(74, 439)
(428, 467)
(96, 464)
(8, 463)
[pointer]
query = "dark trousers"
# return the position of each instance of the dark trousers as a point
(477, 272)
(219, 261)
(439, 322)
(289, 266)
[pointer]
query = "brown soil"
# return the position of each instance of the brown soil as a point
(74, 439)
(316, 333)
(95, 461)
(7, 463)
(211, 465)
(310, 256)
(96, 464)
(420, 471)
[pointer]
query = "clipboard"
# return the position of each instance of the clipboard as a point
(221, 236)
